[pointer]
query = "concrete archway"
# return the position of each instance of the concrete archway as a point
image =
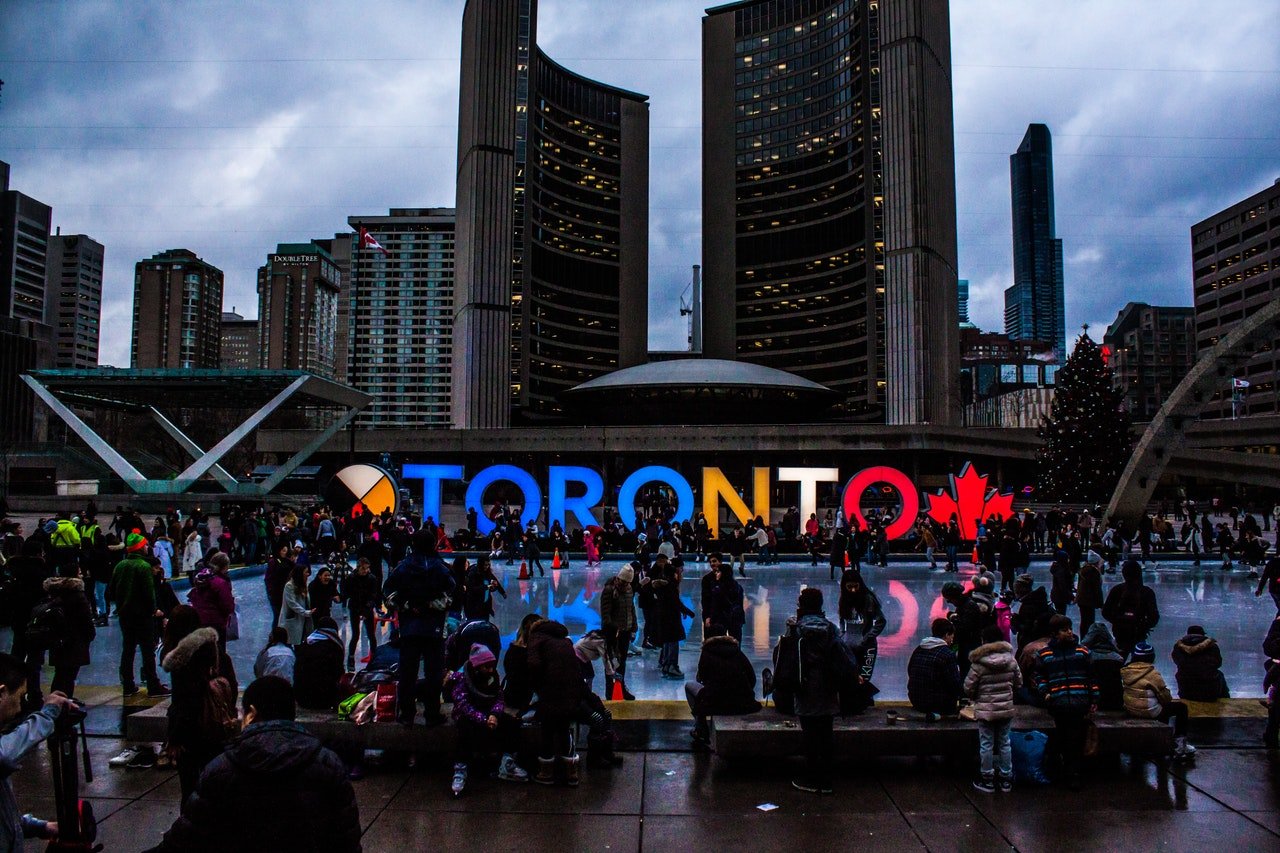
(1167, 432)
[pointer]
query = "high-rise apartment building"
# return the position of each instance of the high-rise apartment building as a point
(1236, 269)
(400, 310)
(240, 342)
(1150, 349)
(1035, 307)
(339, 248)
(553, 198)
(177, 312)
(829, 235)
(73, 289)
(962, 304)
(298, 291)
(24, 246)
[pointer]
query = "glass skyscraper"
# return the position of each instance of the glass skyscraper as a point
(1034, 308)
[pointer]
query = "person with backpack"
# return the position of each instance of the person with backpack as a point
(419, 588)
(1131, 608)
(133, 589)
(66, 623)
(202, 716)
(318, 666)
(810, 665)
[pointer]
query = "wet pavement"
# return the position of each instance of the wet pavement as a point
(1223, 602)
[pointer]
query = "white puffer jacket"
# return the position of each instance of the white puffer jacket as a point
(993, 676)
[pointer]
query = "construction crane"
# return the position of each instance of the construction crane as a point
(692, 308)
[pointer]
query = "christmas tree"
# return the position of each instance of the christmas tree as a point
(1086, 435)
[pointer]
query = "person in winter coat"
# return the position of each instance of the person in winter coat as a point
(933, 674)
(1031, 618)
(296, 613)
(1199, 662)
(517, 686)
(480, 586)
(420, 589)
(191, 552)
(29, 572)
(723, 601)
(1064, 583)
(724, 685)
(318, 667)
(1104, 666)
(556, 676)
(162, 548)
(323, 594)
(1147, 696)
(17, 744)
(992, 679)
(592, 711)
(618, 623)
(861, 622)
(810, 664)
(133, 589)
(73, 653)
(1063, 680)
(669, 612)
(361, 594)
(1131, 608)
(1089, 591)
(212, 597)
(277, 658)
(972, 614)
(192, 659)
(276, 788)
(279, 570)
(479, 714)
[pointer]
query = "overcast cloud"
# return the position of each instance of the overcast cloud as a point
(228, 127)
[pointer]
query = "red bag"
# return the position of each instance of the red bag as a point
(386, 703)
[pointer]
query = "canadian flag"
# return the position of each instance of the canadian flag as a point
(1239, 384)
(367, 241)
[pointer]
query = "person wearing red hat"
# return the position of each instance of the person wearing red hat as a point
(134, 591)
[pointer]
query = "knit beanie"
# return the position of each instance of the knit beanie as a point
(626, 574)
(1143, 653)
(135, 542)
(480, 655)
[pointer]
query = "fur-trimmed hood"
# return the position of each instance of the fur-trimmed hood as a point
(994, 655)
(1192, 644)
(187, 647)
(55, 585)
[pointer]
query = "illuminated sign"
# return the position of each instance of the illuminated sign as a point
(573, 491)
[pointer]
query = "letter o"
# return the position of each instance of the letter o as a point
(852, 500)
(655, 474)
(494, 473)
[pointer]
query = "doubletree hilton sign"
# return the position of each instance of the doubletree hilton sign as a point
(967, 499)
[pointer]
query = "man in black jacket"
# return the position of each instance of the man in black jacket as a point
(361, 593)
(275, 788)
(725, 683)
(419, 588)
(933, 675)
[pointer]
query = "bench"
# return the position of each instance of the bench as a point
(769, 734)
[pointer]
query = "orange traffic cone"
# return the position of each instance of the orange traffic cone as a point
(555, 559)
(616, 694)
(524, 571)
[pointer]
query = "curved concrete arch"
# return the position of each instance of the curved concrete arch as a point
(1167, 432)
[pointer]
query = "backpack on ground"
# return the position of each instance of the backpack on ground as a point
(48, 628)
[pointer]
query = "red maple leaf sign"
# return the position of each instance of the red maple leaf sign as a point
(969, 501)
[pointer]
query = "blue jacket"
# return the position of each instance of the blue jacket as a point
(414, 585)
(14, 825)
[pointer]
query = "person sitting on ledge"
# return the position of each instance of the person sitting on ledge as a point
(725, 683)
(1147, 696)
(1104, 666)
(318, 667)
(933, 674)
(483, 725)
(1199, 662)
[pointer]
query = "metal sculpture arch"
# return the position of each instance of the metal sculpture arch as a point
(1167, 433)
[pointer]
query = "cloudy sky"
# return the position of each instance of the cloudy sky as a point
(227, 127)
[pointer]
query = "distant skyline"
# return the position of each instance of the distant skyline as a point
(229, 127)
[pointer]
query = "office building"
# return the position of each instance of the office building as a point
(339, 248)
(73, 289)
(240, 343)
(1034, 308)
(400, 309)
(1150, 349)
(24, 346)
(24, 247)
(553, 198)
(1236, 270)
(298, 291)
(177, 312)
(829, 233)
(962, 304)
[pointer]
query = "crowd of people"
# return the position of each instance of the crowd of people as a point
(1005, 641)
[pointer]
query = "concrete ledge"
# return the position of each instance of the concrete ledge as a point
(768, 734)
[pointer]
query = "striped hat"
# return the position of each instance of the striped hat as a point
(135, 541)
